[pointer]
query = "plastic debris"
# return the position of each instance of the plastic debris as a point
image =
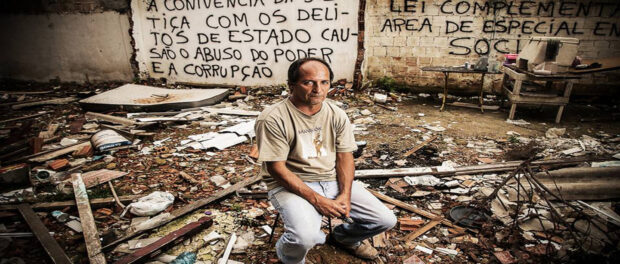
(151, 204)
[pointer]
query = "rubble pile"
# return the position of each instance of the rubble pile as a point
(181, 184)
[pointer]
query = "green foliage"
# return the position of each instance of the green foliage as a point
(236, 207)
(390, 85)
(513, 139)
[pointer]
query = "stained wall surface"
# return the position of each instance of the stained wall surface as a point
(67, 46)
(402, 36)
(251, 42)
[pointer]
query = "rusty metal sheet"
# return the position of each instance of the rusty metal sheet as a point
(136, 98)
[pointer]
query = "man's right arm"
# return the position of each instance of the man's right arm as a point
(292, 183)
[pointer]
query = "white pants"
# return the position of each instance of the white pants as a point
(302, 222)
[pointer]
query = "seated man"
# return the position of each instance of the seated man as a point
(305, 145)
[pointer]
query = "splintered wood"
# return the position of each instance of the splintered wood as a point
(422, 230)
(188, 208)
(50, 245)
(407, 224)
(91, 236)
(415, 210)
(94, 178)
(189, 178)
(418, 147)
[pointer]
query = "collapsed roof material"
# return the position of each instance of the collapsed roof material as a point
(135, 98)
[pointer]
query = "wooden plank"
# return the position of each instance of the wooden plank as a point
(475, 106)
(91, 236)
(94, 178)
(21, 118)
(26, 92)
(56, 153)
(173, 238)
(421, 230)
(421, 212)
(57, 101)
(112, 119)
(50, 244)
(97, 202)
(188, 177)
(187, 209)
(464, 170)
(418, 147)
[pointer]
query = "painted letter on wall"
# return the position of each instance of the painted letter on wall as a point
(242, 42)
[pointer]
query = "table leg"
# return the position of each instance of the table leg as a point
(567, 90)
(481, 94)
(513, 109)
(558, 117)
(445, 91)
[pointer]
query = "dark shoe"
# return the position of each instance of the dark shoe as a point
(363, 251)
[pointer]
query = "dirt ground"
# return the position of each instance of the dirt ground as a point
(392, 134)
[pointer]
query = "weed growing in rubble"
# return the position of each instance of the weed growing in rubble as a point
(390, 85)
(236, 207)
(513, 139)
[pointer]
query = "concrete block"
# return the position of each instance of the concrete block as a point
(393, 51)
(379, 51)
(400, 41)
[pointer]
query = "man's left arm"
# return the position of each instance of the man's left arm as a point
(345, 172)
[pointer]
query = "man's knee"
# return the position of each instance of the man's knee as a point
(301, 238)
(387, 221)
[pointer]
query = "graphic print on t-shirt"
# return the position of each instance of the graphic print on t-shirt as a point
(312, 143)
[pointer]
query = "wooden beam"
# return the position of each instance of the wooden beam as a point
(50, 245)
(418, 147)
(91, 236)
(112, 119)
(97, 202)
(188, 209)
(21, 118)
(94, 178)
(53, 154)
(421, 230)
(26, 92)
(173, 238)
(57, 101)
(464, 170)
(421, 212)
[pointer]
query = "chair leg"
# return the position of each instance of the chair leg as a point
(273, 227)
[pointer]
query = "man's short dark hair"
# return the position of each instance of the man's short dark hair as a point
(293, 70)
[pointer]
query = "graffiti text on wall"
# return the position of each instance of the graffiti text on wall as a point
(497, 26)
(242, 42)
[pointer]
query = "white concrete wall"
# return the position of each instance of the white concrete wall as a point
(173, 39)
(72, 47)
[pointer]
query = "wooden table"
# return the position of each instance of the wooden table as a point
(517, 96)
(458, 69)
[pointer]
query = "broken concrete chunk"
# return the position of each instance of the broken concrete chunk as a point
(555, 132)
(424, 249)
(447, 251)
(571, 151)
(212, 237)
(218, 180)
(140, 243)
(65, 142)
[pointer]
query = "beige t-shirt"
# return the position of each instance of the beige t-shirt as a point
(308, 144)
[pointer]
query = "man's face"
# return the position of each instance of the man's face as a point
(312, 86)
